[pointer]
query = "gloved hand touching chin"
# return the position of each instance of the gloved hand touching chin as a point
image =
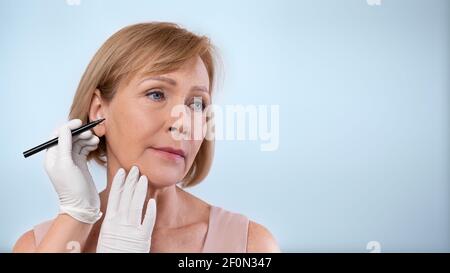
(123, 229)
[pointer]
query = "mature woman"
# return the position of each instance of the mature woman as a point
(135, 81)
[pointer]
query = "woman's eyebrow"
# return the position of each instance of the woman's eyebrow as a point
(160, 78)
(199, 88)
(174, 83)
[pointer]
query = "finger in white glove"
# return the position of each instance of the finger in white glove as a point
(123, 229)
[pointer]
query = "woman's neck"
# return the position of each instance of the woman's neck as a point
(171, 209)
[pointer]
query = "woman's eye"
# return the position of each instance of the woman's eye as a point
(156, 95)
(198, 104)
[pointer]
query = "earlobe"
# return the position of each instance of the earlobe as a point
(100, 129)
(97, 112)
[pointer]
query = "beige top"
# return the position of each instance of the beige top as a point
(227, 232)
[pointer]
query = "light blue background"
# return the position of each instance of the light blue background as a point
(364, 107)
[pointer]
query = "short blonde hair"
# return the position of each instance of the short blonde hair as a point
(156, 47)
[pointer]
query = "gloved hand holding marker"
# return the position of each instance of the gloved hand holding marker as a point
(66, 166)
(54, 141)
(122, 229)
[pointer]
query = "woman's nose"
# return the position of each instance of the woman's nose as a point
(174, 128)
(179, 121)
(179, 126)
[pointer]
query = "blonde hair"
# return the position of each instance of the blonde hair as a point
(156, 47)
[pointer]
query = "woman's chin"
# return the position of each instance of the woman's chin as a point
(160, 171)
(161, 183)
(163, 177)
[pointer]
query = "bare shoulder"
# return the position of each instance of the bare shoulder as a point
(260, 239)
(26, 243)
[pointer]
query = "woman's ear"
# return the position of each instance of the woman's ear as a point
(98, 111)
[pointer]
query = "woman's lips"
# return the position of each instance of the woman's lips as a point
(167, 154)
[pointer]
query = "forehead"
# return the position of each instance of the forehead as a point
(192, 72)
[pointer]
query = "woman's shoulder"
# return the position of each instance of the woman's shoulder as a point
(260, 239)
(28, 241)
(257, 237)
(25, 243)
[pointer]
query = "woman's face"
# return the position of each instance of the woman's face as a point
(140, 124)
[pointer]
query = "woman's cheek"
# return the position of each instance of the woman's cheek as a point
(196, 147)
(197, 126)
(142, 123)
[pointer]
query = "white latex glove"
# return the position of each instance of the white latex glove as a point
(66, 166)
(123, 229)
